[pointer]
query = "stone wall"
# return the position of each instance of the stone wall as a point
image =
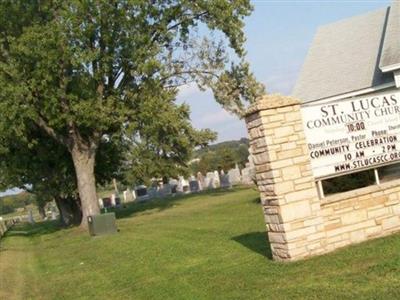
(299, 223)
(5, 225)
(361, 214)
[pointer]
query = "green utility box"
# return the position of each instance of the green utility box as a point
(102, 224)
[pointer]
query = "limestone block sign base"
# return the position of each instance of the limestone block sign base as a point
(299, 223)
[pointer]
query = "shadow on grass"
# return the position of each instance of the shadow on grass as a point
(129, 210)
(256, 242)
(161, 204)
(30, 230)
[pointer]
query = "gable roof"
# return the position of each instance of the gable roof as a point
(346, 56)
(391, 45)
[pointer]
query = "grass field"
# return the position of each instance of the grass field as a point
(207, 246)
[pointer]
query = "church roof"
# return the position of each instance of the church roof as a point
(351, 55)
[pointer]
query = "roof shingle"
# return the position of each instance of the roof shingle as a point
(345, 56)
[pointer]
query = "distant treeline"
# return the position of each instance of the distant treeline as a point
(9, 204)
(221, 156)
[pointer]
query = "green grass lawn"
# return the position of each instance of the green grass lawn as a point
(206, 246)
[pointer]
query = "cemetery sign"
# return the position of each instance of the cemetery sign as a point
(352, 134)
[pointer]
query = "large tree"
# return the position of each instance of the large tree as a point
(81, 69)
(38, 164)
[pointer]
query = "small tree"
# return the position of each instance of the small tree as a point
(165, 142)
(82, 69)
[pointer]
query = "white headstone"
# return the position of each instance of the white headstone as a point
(234, 176)
(200, 179)
(53, 214)
(113, 200)
(209, 180)
(183, 185)
(217, 182)
(30, 217)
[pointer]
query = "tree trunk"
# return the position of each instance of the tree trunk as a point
(42, 212)
(84, 161)
(70, 211)
(115, 186)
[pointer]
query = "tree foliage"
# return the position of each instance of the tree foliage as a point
(222, 156)
(82, 70)
(163, 143)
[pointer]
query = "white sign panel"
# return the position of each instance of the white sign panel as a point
(353, 134)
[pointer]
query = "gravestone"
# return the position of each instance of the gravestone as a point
(152, 192)
(209, 180)
(101, 204)
(53, 213)
(174, 186)
(165, 190)
(194, 186)
(234, 175)
(225, 183)
(125, 195)
(107, 202)
(30, 217)
(183, 185)
(217, 182)
(200, 180)
(141, 192)
(113, 202)
(248, 174)
(174, 189)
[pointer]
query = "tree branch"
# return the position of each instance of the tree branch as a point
(51, 132)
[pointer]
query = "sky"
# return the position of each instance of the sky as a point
(279, 34)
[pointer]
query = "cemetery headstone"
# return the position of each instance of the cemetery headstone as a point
(141, 192)
(174, 186)
(174, 189)
(225, 183)
(209, 180)
(107, 202)
(30, 217)
(152, 192)
(113, 202)
(200, 180)
(126, 196)
(165, 190)
(194, 186)
(248, 174)
(234, 175)
(53, 213)
(216, 182)
(183, 185)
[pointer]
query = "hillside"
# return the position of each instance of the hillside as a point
(233, 145)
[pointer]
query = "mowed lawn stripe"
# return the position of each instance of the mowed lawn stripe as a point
(205, 246)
